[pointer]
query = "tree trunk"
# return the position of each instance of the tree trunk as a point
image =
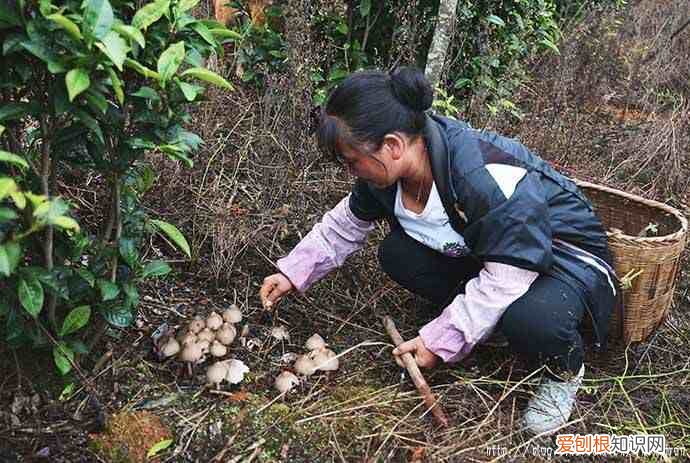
(443, 32)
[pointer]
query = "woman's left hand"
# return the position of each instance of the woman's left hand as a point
(423, 356)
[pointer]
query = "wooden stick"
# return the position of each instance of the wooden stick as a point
(411, 365)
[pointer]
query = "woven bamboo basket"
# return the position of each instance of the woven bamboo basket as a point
(652, 262)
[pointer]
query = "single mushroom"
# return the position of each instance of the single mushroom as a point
(324, 359)
(281, 333)
(197, 325)
(204, 345)
(233, 314)
(304, 365)
(226, 334)
(216, 373)
(190, 354)
(236, 371)
(206, 335)
(218, 349)
(188, 338)
(315, 342)
(286, 381)
(214, 321)
(170, 348)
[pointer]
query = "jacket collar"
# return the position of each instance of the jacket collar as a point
(440, 168)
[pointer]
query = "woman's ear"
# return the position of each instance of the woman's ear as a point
(395, 144)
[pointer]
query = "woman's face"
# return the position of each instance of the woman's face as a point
(378, 168)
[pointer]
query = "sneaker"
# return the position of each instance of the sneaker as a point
(551, 406)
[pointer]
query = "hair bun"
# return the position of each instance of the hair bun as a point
(412, 89)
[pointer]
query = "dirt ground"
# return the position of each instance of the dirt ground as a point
(612, 107)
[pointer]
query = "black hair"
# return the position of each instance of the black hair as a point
(368, 105)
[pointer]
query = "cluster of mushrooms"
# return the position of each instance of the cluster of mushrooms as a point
(210, 336)
(319, 358)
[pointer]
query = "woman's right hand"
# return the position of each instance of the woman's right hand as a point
(274, 288)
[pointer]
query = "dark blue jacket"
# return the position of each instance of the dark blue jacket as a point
(527, 229)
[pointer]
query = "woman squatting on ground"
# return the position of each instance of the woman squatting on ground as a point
(489, 232)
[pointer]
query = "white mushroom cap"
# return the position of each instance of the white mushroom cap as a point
(170, 348)
(233, 314)
(197, 325)
(216, 373)
(304, 365)
(206, 335)
(218, 349)
(315, 342)
(236, 371)
(203, 345)
(226, 334)
(191, 353)
(281, 333)
(324, 359)
(188, 338)
(214, 321)
(286, 381)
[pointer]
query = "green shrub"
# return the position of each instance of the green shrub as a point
(87, 88)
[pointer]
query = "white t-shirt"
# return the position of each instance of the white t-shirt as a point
(431, 227)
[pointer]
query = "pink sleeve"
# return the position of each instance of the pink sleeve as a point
(472, 316)
(325, 247)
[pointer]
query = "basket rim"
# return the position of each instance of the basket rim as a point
(677, 235)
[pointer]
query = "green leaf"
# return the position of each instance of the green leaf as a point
(141, 69)
(98, 18)
(205, 34)
(4, 262)
(225, 33)
(13, 159)
(40, 49)
(86, 276)
(120, 317)
(117, 86)
(132, 33)
(13, 251)
(365, 8)
(77, 81)
(155, 268)
(185, 5)
(30, 292)
(150, 13)
(158, 447)
(89, 121)
(66, 392)
(493, 19)
(147, 92)
(49, 210)
(190, 91)
(67, 24)
(7, 186)
(128, 252)
(19, 200)
(337, 74)
(174, 234)
(208, 76)
(170, 61)
(7, 214)
(63, 357)
(68, 223)
(14, 111)
(97, 101)
(109, 290)
(75, 320)
(2, 129)
(549, 44)
(8, 14)
(115, 48)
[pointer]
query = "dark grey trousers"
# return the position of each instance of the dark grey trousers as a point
(542, 324)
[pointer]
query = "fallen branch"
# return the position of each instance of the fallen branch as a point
(417, 378)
